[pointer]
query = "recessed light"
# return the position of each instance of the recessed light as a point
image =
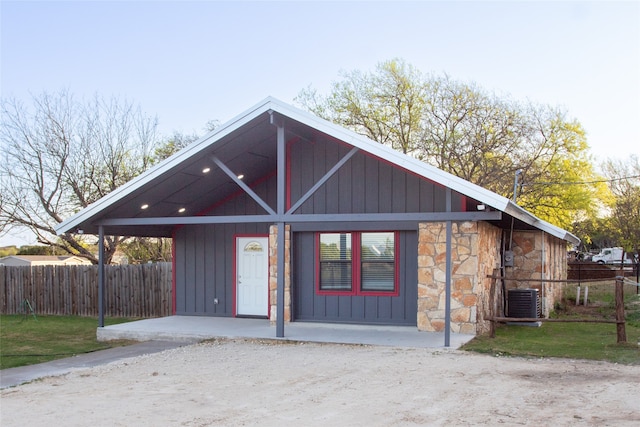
(206, 170)
(145, 206)
(240, 176)
(181, 210)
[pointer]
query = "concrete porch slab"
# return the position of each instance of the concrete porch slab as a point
(196, 328)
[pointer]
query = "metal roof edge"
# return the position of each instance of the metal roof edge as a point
(529, 218)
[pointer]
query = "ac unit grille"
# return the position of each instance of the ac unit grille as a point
(524, 303)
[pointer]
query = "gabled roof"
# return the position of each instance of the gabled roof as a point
(245, 144)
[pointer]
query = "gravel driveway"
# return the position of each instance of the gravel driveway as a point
(249, 382)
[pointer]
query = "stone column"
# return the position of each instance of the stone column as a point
(273, 273)
(431, 276)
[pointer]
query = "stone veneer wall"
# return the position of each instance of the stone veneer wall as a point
(475, 254)
(538, 256)
(489, 243)
(273, 273)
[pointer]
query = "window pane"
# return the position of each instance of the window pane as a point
(335, 246)
(378, 262)
(378, 246)
(335, 262)
(335, 276)
(378, 276)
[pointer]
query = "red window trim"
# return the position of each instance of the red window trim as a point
(356, 266)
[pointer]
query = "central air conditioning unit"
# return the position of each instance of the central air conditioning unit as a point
(524, 303)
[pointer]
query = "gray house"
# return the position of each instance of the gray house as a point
(280, 214)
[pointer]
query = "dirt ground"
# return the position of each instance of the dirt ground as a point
(241, 383)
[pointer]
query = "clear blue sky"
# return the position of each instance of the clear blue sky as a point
(191, 62)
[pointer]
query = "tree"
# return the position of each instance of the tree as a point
(559, 181)
(145, 249)
(39, 250)
(385, 106)
(624, 181)
(60, 155)
(175, 143)
(595, 233)
(8, 250)
(462, 129)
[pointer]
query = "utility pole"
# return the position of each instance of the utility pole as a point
(515, 184)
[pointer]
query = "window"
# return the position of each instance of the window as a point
(357, 263)
(377, 262)
(335, 262)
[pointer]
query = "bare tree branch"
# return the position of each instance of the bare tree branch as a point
(60, 155)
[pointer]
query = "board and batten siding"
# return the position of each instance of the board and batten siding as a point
(311, 306)
(204, 267)
(204, 254)
(364, 184)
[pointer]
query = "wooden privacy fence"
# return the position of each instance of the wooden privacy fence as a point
(130, 290)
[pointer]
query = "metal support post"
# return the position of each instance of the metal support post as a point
(101, 276)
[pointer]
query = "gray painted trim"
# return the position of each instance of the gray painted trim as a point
(281, 207)
(355, 226)
(280, 280)
(101, 276)
(242, 185)
(308, 218)
(390, 217)
(448, 273)
(447, 289)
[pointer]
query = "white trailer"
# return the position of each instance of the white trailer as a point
(612, 256)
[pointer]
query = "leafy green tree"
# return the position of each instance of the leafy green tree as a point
(175, 143)
(595, 233)
(144, 249)
(624, 182)
(462, 129)
(559, 182)
(39, 250)
(386, 106)
(8, 250)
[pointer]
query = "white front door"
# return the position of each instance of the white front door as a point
(252, 276)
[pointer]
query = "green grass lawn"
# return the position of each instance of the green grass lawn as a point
(597, 341)
(25, 340)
